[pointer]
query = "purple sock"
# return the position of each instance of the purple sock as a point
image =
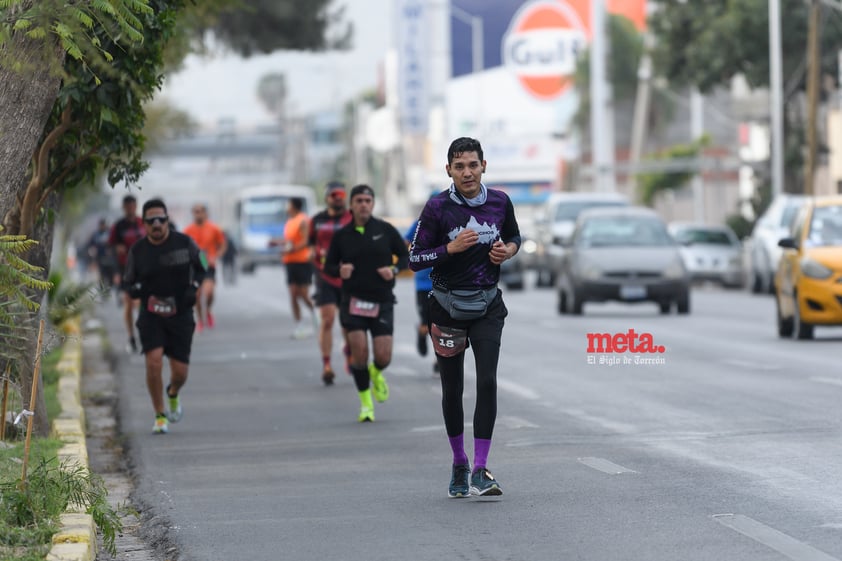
(457, 444)
(481, 448)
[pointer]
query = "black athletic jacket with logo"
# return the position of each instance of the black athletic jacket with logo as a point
(367, 251)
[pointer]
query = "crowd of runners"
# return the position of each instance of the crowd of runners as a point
(166, 280)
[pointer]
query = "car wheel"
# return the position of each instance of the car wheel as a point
(574, 303)
(683, 303)
(784, 324)
(665, 306)
(801, 330)
(756, 283)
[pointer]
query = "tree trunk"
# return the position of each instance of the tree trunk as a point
(26, 100)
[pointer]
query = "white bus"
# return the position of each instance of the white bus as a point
(260, 215)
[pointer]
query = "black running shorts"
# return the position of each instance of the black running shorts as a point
(299, 273)
(173, 334)
(326, 293)
(383, 324)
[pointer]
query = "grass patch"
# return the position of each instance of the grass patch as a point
(29, 514)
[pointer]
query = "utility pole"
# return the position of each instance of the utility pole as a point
(813, 74)
(776, 98)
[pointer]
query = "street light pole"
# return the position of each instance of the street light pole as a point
(602, 121)
(776, 86)
(477, 43)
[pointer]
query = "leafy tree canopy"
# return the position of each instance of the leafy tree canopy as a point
(705, 44)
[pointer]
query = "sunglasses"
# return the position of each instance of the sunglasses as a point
(337, 195)
(156, 220)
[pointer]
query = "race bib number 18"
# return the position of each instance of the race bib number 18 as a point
(448, 341)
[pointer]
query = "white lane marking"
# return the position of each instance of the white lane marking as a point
(750, 364)
(616, 426)
(517, 389)
(768, 536)
(823, 380)
(603, 465)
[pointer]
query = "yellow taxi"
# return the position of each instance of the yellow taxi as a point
(808, 281)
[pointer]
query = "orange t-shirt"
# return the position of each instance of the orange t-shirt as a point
(295, 232)
(208, 237)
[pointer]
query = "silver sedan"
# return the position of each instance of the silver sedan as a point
(623, 254)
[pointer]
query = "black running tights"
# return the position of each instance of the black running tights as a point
(452, 371)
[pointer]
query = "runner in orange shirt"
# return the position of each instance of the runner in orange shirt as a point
(299, 267)
(211, 240)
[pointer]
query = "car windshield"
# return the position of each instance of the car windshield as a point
(826, 226)
(569, 212)
(623, 231)
(703, 236)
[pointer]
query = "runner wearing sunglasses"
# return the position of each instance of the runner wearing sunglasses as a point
(164, 271)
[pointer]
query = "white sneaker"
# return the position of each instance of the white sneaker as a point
(302, 332)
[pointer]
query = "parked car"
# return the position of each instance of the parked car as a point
(624, 254)
(808, 282)
(556, 226)
(764, 253)
(710, 253)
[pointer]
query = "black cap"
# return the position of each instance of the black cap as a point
(335, 186)
(362, 189)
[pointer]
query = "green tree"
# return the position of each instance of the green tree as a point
(706, 44)
(74, 77)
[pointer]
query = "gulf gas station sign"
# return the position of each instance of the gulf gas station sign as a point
(537, 41)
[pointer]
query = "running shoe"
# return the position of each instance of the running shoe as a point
(460, 487)
(379, 387)
(484, 484)
(211, 321)
(176, 412)
(366, 414)
(422, 344)
(328, 376)
(162, 426)
(302, 332)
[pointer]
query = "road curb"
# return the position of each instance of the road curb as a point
(76, 539)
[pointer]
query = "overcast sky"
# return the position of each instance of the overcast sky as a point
(220, 87)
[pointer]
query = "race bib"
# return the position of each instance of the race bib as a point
(363, 308)
(164, 307)
(448, 341)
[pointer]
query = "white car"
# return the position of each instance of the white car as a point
(764, 253)
(710, 253)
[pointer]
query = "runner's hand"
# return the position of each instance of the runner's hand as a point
(464, 240)
(345, 270)
(387, 273)
(499, 252)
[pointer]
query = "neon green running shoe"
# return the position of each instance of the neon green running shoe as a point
(366, 414)
(379, 387)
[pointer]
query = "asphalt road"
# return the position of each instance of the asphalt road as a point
(728, 448)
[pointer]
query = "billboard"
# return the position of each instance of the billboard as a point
(522, 97)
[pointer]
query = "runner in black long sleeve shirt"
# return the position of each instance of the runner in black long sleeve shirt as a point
(362, 255)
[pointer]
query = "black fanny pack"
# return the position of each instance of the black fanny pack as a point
(465, 304)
